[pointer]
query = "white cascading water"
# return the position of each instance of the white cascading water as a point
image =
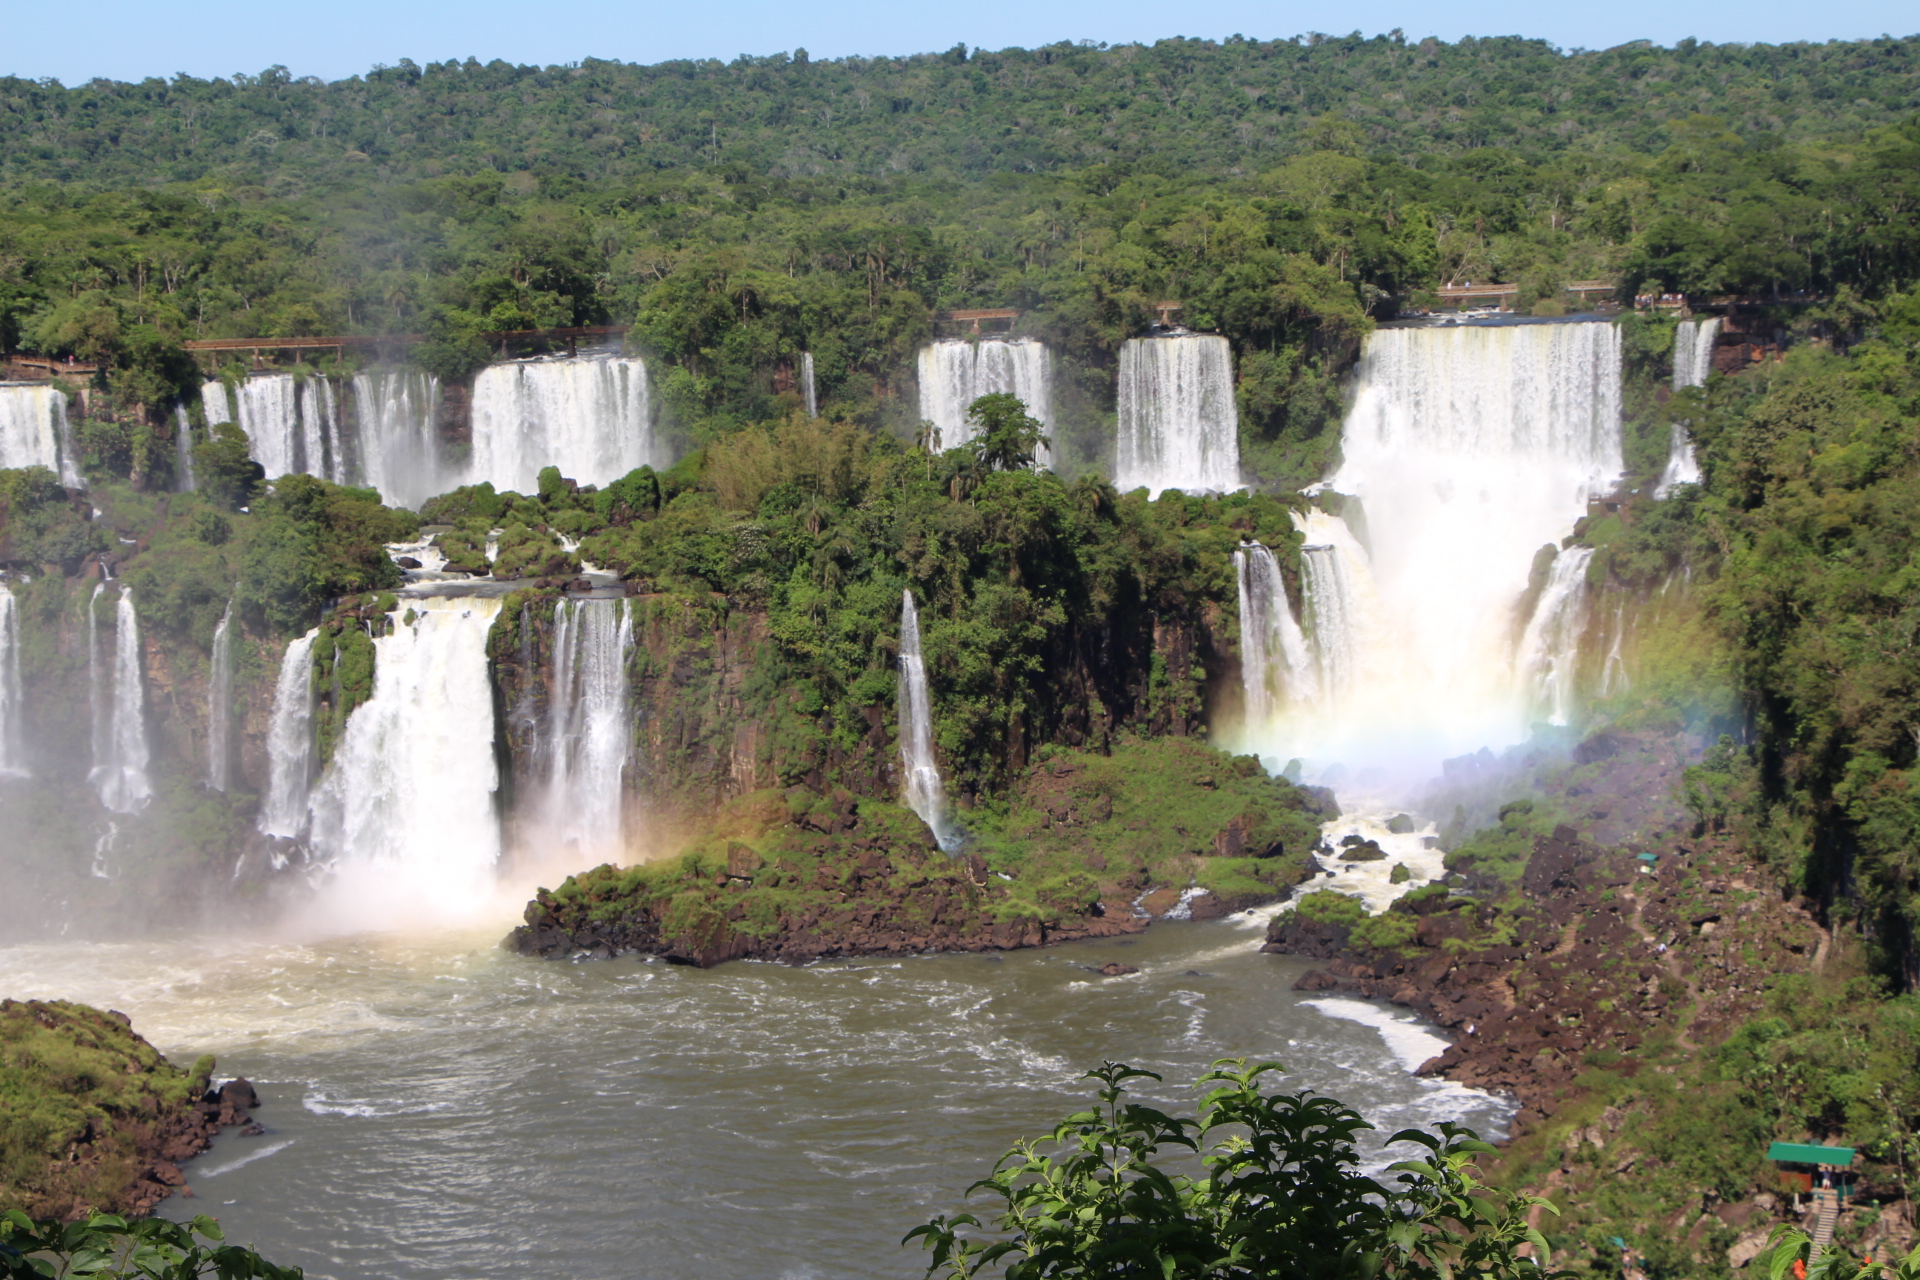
(588, 729)
(220, 706)
(399, 449)
(34, 431)
(404, 817)
(119, 774)
(1469, 448)
(1275, 663)
(955, 372)
(184, 480)
(290, 742)
(592, 417)
(13, 735)
(1179, 428)
(292, 424)
(808, 394)
(1692, 361)
(926, 795)
(1549, 654)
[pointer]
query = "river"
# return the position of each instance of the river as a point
(436, 1107)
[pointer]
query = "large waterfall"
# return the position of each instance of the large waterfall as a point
(588, 729)
(1549, 656)
(290, 742)
(292, 424)
(1692, 361)
(1274, 661)
(404, 816)
(399, 449)
(955, 372)
(1178, 425)
(119, 773)
(925, 794)
(592, 417)
(13, 739)
(1468, 449)
(34, 431)
(220, 705)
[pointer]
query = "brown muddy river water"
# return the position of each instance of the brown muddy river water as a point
(437, 1108)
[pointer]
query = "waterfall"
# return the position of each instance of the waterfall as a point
(1178, 425)
(34, 431)
(183, 477)
(1466, 449)
(592, 417)
(292, 424)
(220, 705)
(924, 793)
(120, 753)
(13, 750)
(290, 742)
(1549, 654)
(807, 392)
(955, 372)
(399, 449)
(1273, 650)
(587, 726)
(1613, 672)
(404, 816)
(1693, 351)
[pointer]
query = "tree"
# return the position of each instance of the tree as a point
(106, 1245)
(1278, 1194)
(1008, 438)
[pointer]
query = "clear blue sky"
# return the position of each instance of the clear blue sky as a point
(130, 39)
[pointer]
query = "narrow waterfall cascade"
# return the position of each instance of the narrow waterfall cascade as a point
(13, 736)
(290, 742)
(220, 706)
(1692, 361)
(808, 394)
(1467, 449)
(1179, 428)
(590, 416)
(184, 480)
(292, 424)
(1549, 654)
(955, 372)
(1693, 342)
(1275, 663)
(34, 431)
(119, 774)
(588, 728)
(99, 681)
(404, 817)
(398, 447)
(925, 793)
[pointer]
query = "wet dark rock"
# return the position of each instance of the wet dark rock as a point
(1114, 969)
(408, 562)
(1400, 824)
(1365, 851)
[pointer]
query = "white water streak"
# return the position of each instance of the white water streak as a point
(220, 705)
(809, 394)
(588, 729)
(1179, 428)
(1549, 656)
(399, 449)
(1275, 663)
(34, 431)
(926, 795)
(184, 480)
(292, 424)
(955, 372)
(290, 742)
(592, 417)
(13, 750)
(1693, 342)
(120, 755)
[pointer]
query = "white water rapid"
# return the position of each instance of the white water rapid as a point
(809, 395)
(34, 431)
(220, 705)
(588, 729)
(1549, 656)
(404, 818)
(292, 424)
(1468, 448)
(290, 742)
(955, 372)
(925, 794)
(1275, 663)
(1692, 361)
(1179, 428)
(13, 738)
(398, 447)
(119, 773)
(590, 416)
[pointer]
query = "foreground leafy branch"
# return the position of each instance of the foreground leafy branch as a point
(108, 1247)
(1280, 1194)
